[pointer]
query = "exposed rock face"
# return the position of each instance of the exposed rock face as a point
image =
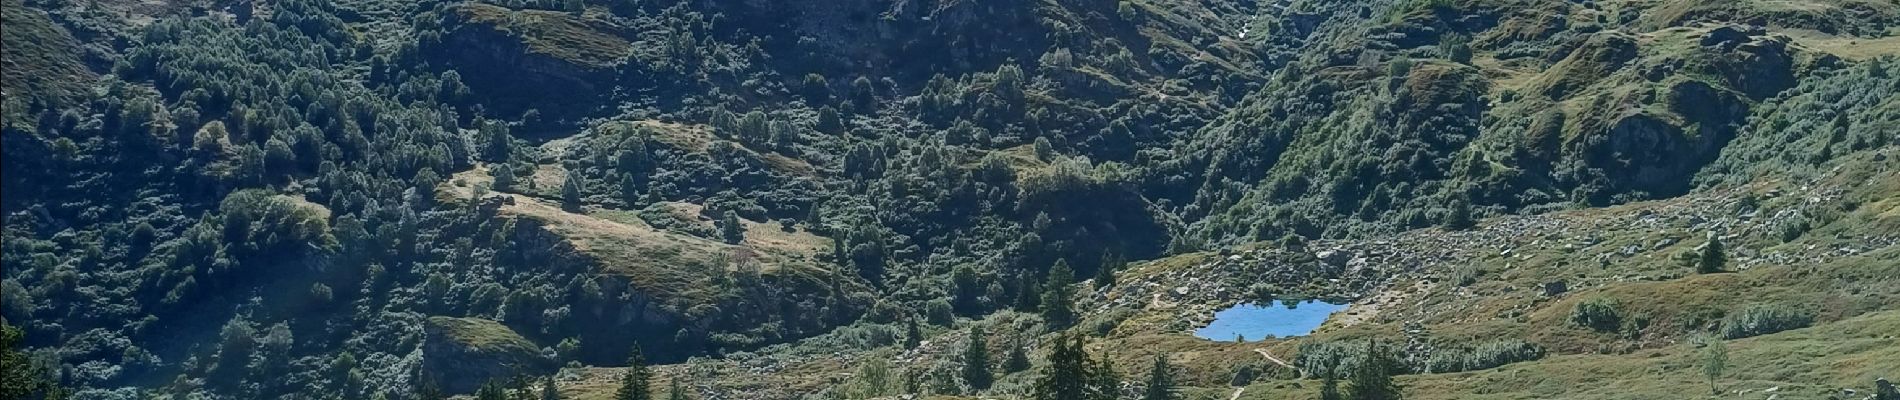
(462, 353)
(529, 59)
(946, 36)
(485, 51)
(1655, 140)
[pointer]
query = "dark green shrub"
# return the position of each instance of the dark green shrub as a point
(1759, 320)
(1485, 355)
(1601, 314)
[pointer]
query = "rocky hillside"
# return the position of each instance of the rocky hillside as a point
(820, 199)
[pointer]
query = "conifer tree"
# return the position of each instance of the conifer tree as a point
(1105, 274)
(1071, 374)
(548, 392)
(504, 177)
(730, 229)
(1065, 376)
(634, 385)
(1712, 259)
(491, 390)
(1018, 360)
(976, 361)
(913, 335)
(1160, 380)
(1028, 294)
(1058, 292)
(675, 391)
(571, 193)
(1373, 379)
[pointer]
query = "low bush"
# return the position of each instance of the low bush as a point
(1484, 355)
(1601, 314)
(1759, 320)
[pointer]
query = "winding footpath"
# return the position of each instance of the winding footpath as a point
(1263, 353)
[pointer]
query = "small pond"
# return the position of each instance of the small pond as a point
(1255, 321)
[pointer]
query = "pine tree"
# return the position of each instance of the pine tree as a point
(504, 177)
(1104, 383)
(1028, 294)
(633, 385)
(1071, 374)
(1160, 380)
(630, 190)
(1373, 379)
(1065, 376)
(427, 390)
(491, 390)
(913, 335)
(571, 193)
(497, 145)
(976, 361)
(1713, 257)
(548, 392)
(1018, 360)
(633, 158)
(730, 229)
(519, 384)
(675, 391)
(1105, 274)
(1058, 292)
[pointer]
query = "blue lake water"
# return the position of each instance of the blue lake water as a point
(1255, 322)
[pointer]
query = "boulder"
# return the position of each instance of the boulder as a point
(1556, 287)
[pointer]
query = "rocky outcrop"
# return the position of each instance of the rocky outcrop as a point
(529, 59)
(462, 353)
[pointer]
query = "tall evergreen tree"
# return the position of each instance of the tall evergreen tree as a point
(1065, 377)
(675, 391)
(571, 193)
(1028, 294)
(976, 361)
(630, 190)
(1713, 257)
(492, 390)
(1373, 379)
(428, 390)
(913, 335)
(1071, 374)
(504, 177)
(634, 384)
(1018, 360)
(1057, 294)
(1160, 381)
(497, 145)
(548, 391)
(730, 229)
(1105, 274)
